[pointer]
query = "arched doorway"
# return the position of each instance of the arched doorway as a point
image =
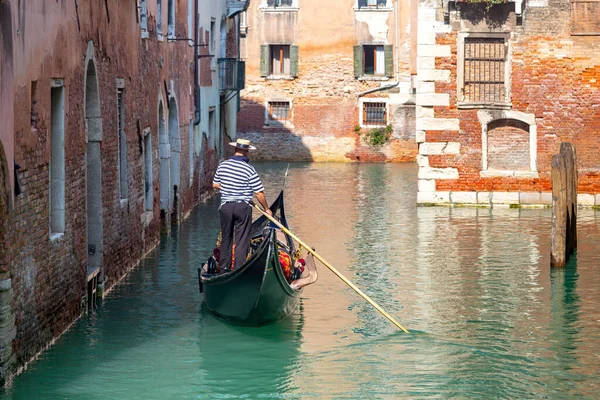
(93, 132)
(175, 144)
(164, 155)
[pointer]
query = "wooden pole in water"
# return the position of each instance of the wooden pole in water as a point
(559, 212)
(335, 271)
(567, 150)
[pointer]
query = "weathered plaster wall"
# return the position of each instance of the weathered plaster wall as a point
(466, 155)
(324, 97)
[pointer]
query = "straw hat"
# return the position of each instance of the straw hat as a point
(243, 144)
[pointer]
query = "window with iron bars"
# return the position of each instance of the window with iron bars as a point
(279, 111)
(372, 3)
(484, 70)
(279, 3)
(374, 113)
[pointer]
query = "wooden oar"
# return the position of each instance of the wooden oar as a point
(335, 271)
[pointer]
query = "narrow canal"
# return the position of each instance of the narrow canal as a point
(489, 319)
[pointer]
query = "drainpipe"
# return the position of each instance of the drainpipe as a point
(196, 67)
(393, 84)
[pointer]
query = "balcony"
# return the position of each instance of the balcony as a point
(234, 7)
(232, 74)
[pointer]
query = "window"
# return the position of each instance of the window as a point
(372, 3)
(159, 18)
(482, 77)
(375, 60)
(171, 19)
(148, 191)
(122, 151)
(279, 3)
(279, 112)
(374, 114)
(191, 145)
(279, 60)
(585, 17)
(243, 24)
(143, 7)
(57, 158)
(190, 21)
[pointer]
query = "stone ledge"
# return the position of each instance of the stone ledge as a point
(439, 148)
(438, 173)
(438, 124)
(433, 99)
(531, 200)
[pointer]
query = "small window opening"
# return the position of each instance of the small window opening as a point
(123, 172)
(374, 114)
(279, 111)
(57, 160)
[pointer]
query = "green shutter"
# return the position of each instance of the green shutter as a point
(294, 61)
(241, 75)
(264, 60)
(389, 60)
(358, 61)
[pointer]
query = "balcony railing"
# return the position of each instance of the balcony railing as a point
(232, 74)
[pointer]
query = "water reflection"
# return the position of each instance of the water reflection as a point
(488, 317)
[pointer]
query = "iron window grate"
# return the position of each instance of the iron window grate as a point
(484, 72)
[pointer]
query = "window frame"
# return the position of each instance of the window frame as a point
(373, 100)
(278, 122)
(387, 7)
(266, 61)
(460, 71)
(264, 5)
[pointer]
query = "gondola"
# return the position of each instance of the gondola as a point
(257, 293)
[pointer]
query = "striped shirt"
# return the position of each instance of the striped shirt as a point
(238, 179)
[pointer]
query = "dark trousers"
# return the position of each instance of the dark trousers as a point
(236, 221)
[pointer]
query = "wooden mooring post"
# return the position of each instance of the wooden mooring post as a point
(564, 205)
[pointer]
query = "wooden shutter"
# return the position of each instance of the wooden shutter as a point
(294, 61)
(264, 60)
(358, 62)
(241, 75)
(389, 60)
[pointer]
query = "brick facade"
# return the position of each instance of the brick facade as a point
(89, 51)
(553, 88)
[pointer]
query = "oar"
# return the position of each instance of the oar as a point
(335, 271)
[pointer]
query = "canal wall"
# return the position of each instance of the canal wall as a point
(98, 113)
(310, 68)
(498, 90)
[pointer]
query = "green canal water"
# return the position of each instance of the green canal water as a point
(488, 318)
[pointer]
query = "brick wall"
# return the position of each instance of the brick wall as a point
(554, 85)
(49, 275)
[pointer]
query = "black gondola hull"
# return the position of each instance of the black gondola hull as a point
(257, 293)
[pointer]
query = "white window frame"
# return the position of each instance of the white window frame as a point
(361, 105)
(265, 7)
(485, 117)
(159, 18)
(388, 7)
(143, 12)
(171, 6)
(122, 162)
(57, 168)
(460, 70)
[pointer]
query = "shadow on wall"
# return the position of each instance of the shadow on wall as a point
(270, 131)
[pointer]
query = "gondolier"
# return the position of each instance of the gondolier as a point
(238, 182)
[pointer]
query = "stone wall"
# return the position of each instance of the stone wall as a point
(503, 155)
